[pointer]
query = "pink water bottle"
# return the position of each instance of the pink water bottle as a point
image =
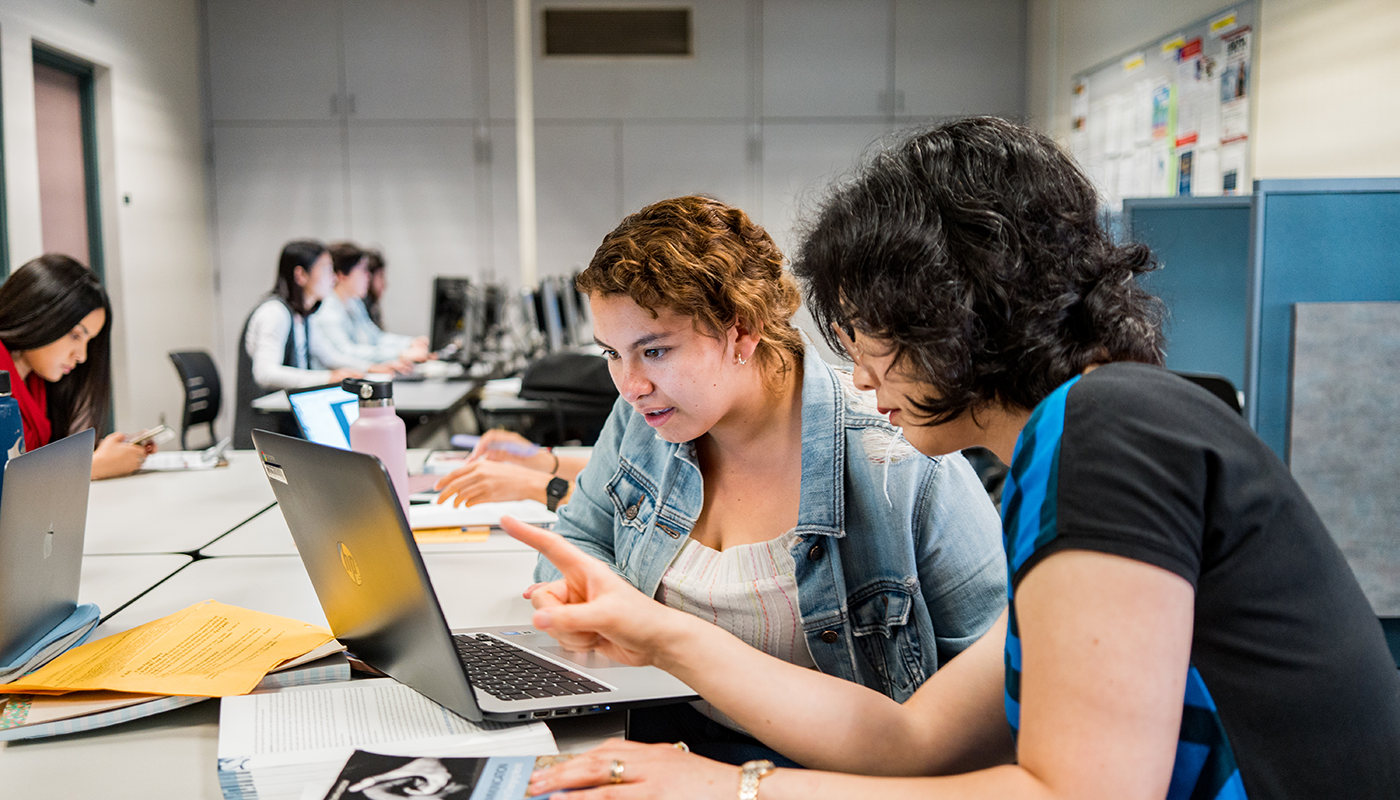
(379, 432)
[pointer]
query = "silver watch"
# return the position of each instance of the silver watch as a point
(749, 776)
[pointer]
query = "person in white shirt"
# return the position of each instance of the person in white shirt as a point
(344, 335)
(277, 351)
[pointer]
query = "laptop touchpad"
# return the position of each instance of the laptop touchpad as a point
(590, 659)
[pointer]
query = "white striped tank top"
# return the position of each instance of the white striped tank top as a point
(749, 590)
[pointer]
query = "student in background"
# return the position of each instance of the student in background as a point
(378, 285)
(276, 351)
(55, 341)
(1181, 623)
(343, 333)
(742, 479)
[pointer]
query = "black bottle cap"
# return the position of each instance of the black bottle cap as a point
(4, 381)
(368, 390)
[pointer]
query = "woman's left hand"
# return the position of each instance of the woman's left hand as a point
(647, 771)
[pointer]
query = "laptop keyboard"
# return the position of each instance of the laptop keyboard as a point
(510, 673)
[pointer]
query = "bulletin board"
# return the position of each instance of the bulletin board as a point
(1172, 117)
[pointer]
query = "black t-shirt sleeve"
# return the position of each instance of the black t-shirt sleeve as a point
(1129, 483)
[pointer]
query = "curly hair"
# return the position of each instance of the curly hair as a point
(706, 260)
(974, 249)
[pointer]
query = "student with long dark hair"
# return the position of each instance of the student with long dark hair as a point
(1181, 623)
(276, 351)
(55, 341)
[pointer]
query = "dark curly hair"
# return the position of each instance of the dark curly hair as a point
(708, 261)
(974, 249)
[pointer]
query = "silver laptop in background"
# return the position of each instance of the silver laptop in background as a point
(43, 515)
(369, 577)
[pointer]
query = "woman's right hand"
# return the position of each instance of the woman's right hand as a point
(338, 375)
(115, 457)
(594, 608)
(502, 445)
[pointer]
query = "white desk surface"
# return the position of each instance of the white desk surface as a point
(474, 589)
(410, 397)
(110, 581)
(267, 535)
(174, 512)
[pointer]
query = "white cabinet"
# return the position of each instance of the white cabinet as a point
(662, 160)
(954, 57)
(408, 59)
(273, 59)
(577, 192)
(800, 160)
(413, 193)
(271, 185)
(826, 58)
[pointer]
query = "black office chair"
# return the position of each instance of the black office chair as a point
(1218, 385)
(580, 394)
(202, 392)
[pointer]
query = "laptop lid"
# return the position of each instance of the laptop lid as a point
(43, 515)
(324, 414)
(370, 579)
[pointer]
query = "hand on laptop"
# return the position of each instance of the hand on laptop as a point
(594, 608)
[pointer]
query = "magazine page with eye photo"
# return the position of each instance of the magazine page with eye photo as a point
(370, 776)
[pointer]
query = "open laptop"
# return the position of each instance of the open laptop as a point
(324, 414)
(43, 514)
(370, 579)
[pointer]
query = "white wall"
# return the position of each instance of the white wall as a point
(148, 67)
(1327, 81)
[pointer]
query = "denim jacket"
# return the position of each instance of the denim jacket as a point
(899, 557)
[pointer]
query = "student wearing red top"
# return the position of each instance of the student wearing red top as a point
(55, 342)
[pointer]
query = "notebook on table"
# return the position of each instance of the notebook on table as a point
(370, 579)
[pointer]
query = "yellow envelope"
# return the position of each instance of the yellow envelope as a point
(209, 649)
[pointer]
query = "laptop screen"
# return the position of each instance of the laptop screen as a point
(325, 413)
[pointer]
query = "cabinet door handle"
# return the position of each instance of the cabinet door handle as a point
(335, 105)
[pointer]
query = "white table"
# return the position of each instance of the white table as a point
(474, 589)
(410, 397)
(174, 512)
(267, 535)
(112, 581)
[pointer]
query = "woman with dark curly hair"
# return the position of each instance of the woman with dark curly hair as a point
(1181, 624)
(55, 341)
(745, 482)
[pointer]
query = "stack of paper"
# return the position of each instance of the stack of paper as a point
(33, 716)
(271, 745)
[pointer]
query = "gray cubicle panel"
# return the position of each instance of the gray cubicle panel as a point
(1344, 437)
(1314, 241)
(1202, 244)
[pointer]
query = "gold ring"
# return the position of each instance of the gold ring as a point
(682, 746)
(615, 771)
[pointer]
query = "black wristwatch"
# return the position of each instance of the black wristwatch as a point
(557, 489)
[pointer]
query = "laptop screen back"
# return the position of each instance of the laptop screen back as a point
(325, 413)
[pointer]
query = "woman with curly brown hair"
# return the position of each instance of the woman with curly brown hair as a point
(746, 482)
(1181, 624)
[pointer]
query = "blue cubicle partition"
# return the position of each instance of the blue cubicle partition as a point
(1202, 244)
(1313, 241)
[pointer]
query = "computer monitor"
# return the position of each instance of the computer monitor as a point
(450, 299)
(551, 317)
